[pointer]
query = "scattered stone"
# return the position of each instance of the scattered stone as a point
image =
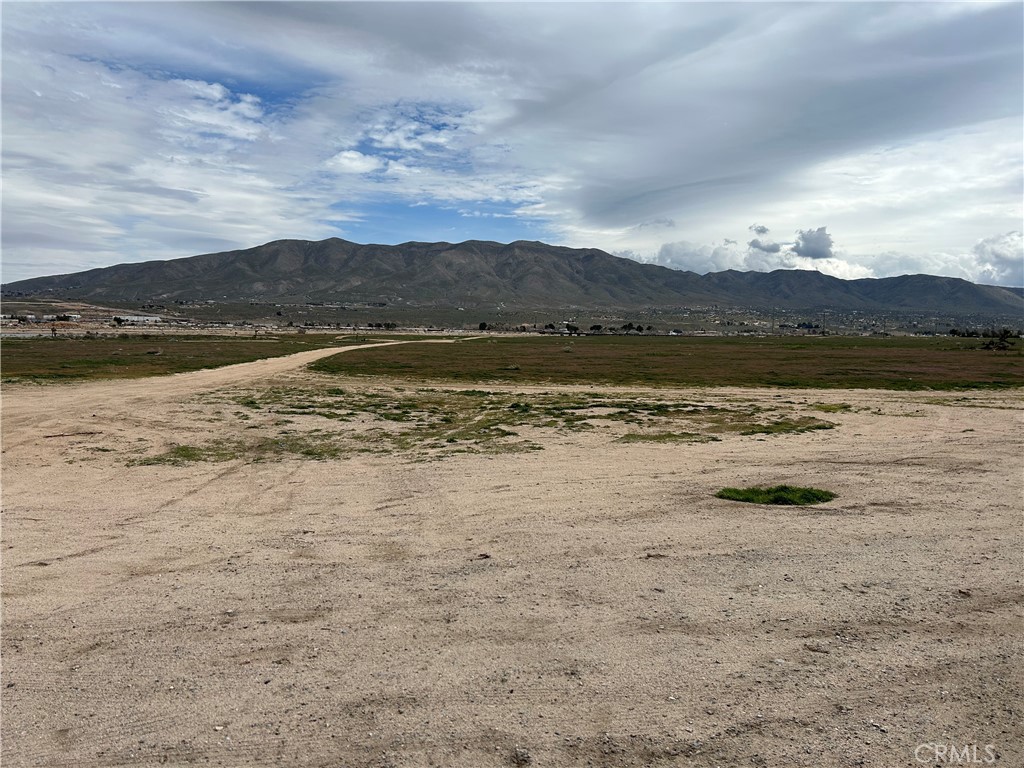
(521, 756)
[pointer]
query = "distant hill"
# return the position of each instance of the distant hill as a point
(473, 273)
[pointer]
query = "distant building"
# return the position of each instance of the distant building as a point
(138, 318)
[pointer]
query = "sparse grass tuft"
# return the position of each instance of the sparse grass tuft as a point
(666, 437)
(778, 494)
(185, 454)
(832, 407)
(790, 426)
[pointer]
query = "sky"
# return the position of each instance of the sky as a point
(859, 139)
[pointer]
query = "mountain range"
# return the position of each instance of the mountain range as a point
(478, 273)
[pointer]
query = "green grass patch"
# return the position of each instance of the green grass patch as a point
(263, 448)
(778, 494)
(832, 407)
(179, 455)
(789, 426)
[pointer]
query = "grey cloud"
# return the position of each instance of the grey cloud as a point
(759, 229)
(1000, 259)
(814, 244)
(767, 247)
(658, 223)
(755, 125)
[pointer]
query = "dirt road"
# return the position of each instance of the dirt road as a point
(591, 603)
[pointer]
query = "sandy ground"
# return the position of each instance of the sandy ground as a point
(591, 603)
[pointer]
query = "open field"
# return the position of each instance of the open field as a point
(262, 564)
(134, 355)
(904, 363)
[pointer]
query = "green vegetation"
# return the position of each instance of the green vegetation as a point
(184, 454)
(832, 407)
(779, 494)
(792, 426)
(263, 449)
(134, 356)
(430, 423)
(829, 362)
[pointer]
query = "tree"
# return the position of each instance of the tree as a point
(595, 328)
(572, 328)
(483, 326)
(1000, 341)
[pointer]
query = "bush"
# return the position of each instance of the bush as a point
(779, 494)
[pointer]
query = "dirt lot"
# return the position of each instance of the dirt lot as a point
(588, 603)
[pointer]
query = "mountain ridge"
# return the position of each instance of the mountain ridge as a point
(480, 272)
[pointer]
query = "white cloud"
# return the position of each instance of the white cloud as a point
(350, 161)
(1000, 259)
(700, 258)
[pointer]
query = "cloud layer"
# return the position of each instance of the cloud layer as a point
(864, 139)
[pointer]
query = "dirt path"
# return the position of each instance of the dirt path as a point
(62, 408)
(591, 603)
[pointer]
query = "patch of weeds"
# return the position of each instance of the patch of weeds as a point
(666, 437)
(185, 454)
(260, 449)
(789, 426)
(436, 423)
(778, 494)
(318, 448)
(832, 407)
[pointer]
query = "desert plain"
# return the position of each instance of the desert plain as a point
(188, 579)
